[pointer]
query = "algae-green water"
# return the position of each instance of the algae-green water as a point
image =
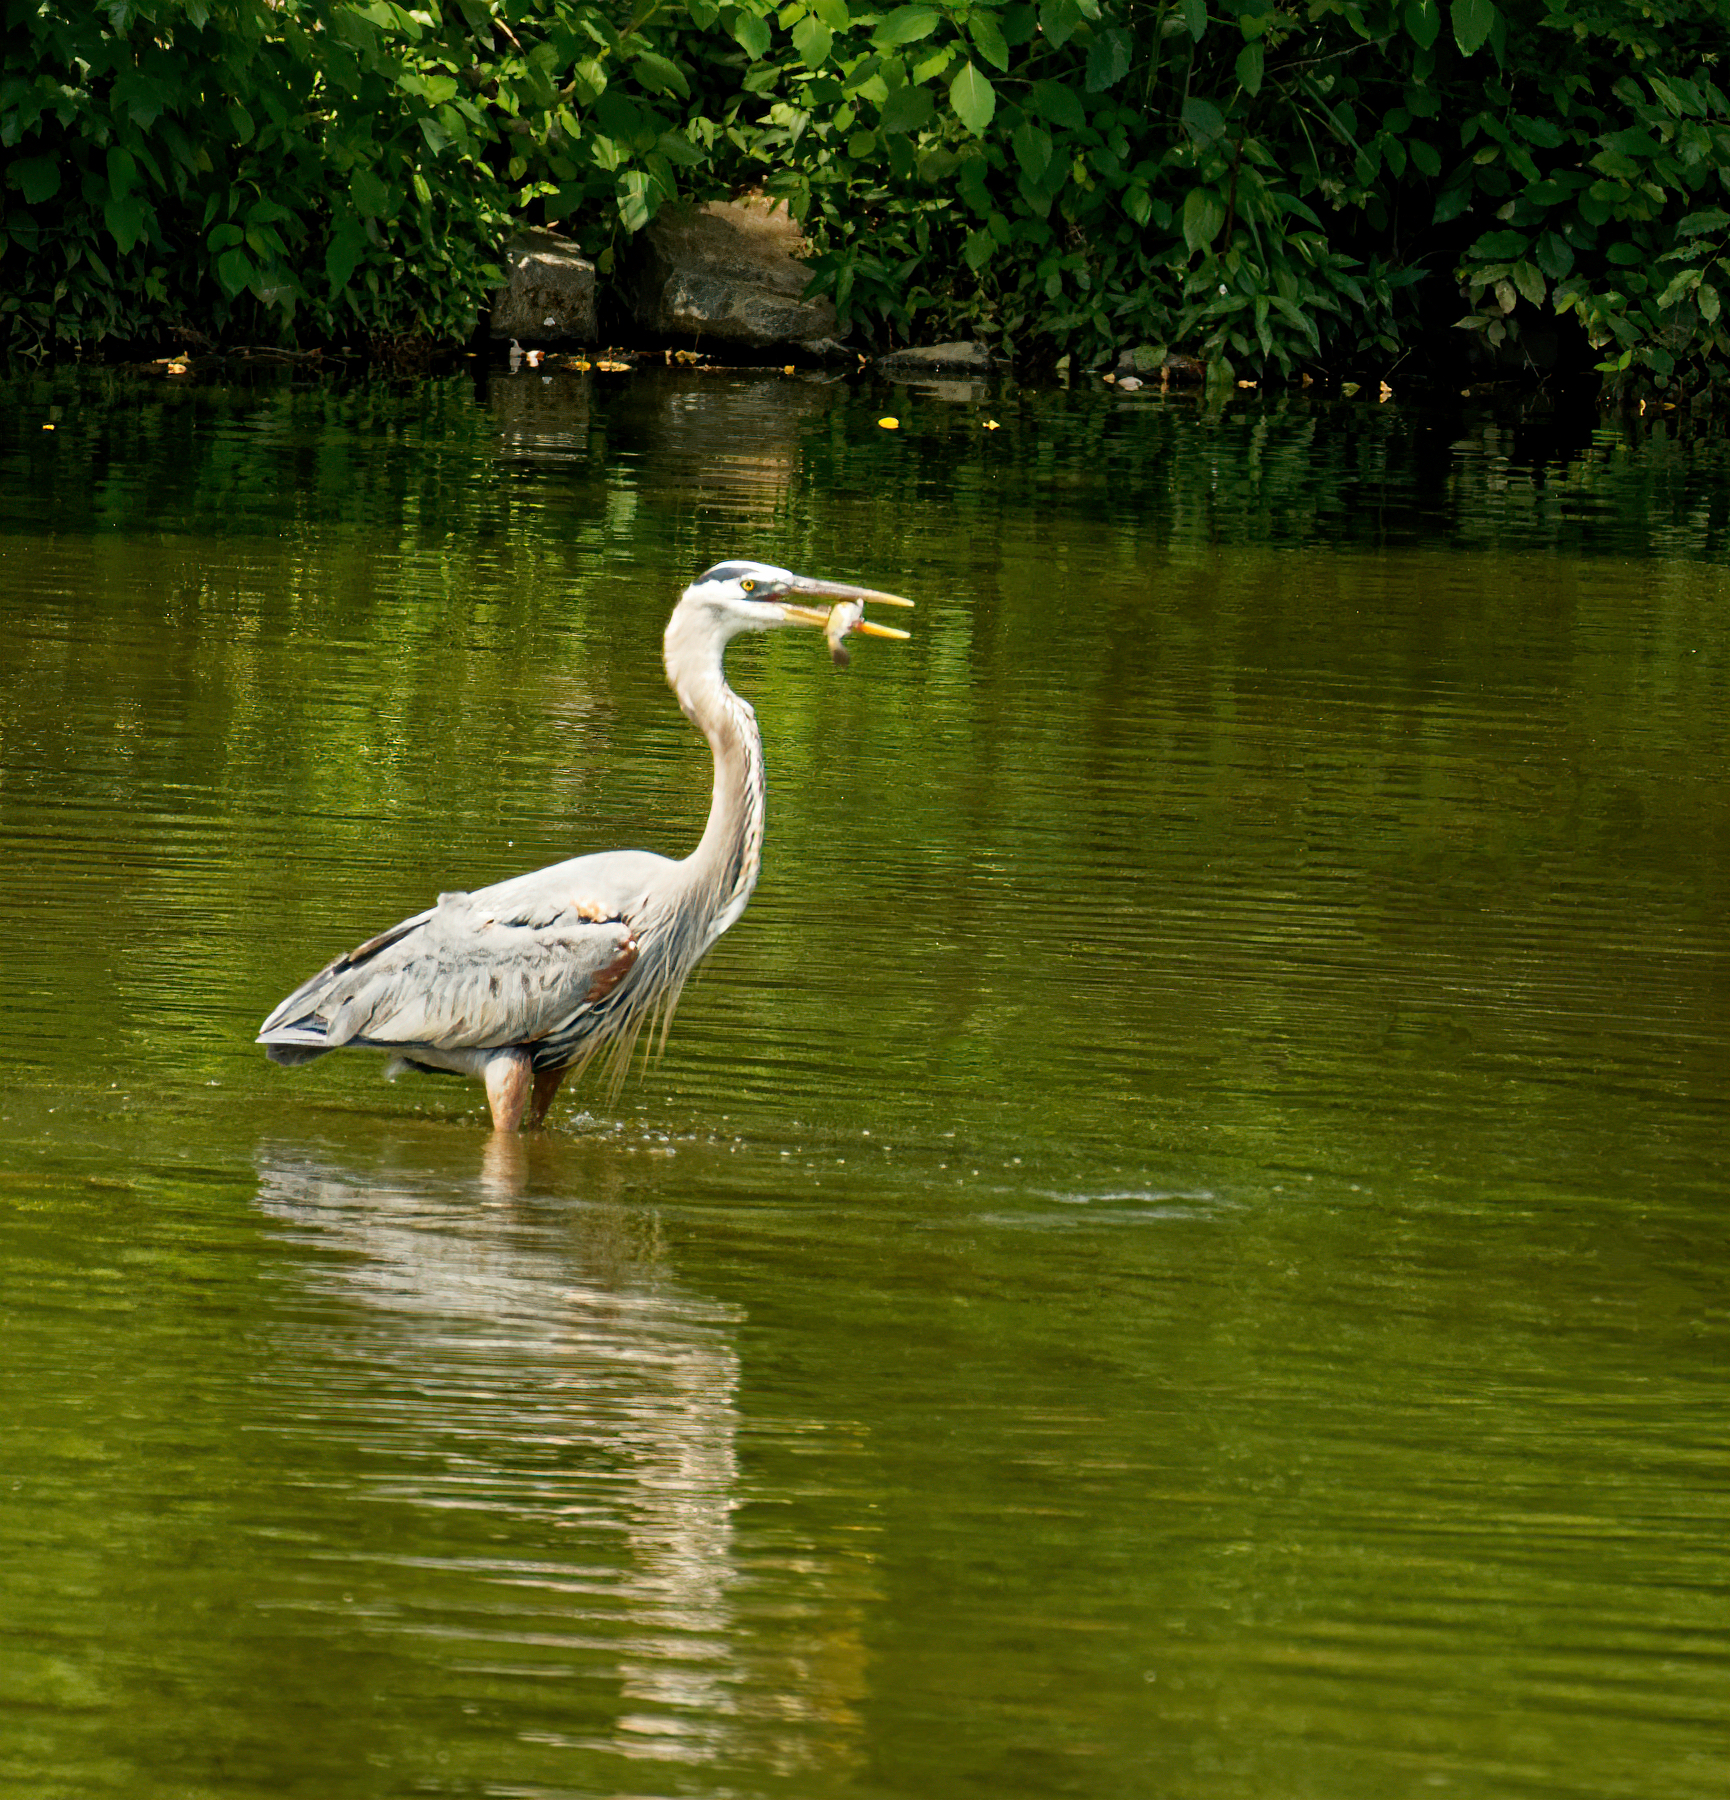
(1177, 1250)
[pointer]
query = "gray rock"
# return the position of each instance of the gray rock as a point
(925, 359)
(550, 296)
(731, 272)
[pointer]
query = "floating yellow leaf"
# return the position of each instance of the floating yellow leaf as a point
(890, 424)
(787, 369)
(990, 425)
(1348, 388)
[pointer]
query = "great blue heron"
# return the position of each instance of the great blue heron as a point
(520, 982)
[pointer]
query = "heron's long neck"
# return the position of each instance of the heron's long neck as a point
(722, 870)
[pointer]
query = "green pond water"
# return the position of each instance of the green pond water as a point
(1178, 1249)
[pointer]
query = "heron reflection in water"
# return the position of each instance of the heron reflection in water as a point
(521, 982)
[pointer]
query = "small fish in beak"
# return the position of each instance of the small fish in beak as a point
(844, 615)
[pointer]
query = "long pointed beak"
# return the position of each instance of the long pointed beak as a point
(833, 591)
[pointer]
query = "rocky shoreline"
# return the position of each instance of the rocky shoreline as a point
(720, 286)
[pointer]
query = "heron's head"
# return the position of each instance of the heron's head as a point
(752, 596)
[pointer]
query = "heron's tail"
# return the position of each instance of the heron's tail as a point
(292, 1045)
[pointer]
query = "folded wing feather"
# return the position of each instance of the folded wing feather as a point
(507, 965)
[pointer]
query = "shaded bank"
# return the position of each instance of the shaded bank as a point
(1272, 194)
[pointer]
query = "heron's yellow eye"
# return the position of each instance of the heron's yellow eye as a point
(747, 585)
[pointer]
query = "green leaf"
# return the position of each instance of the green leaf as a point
(241, 120)
(370, 195)
(235, 272)
(590, 80)
(1500, 246)
(1529, 282)
(1635, 143)
(833, 13)
(342, 253)
(974, 99)
(752, 35)
(1613, 162)
(1032, 148)
(985, 32)
(637, 199)
(1056, 101)
(905, 25)
(1594, 208)
(976, 250)
(1426, 156)
(1423, 22)
(1298, 317)
(1545, 133)
(123, 214)
(38, 176)
(659, 75)
(1203, 217)
(1203, 120)
(618, 115)
(813, 40)
(1059, 20)
(1714, 219)
(1249, 68)
(1108, 59)
(907, 109)
(677, 148)
(1706, 298)
(1195, 18)
(1138, 203)
(122, 170)
(1473, 21)
(861, 145)
(1554, 255)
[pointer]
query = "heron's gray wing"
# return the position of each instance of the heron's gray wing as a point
(507, 965)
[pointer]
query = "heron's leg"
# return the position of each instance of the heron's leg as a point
(507, 1077)
(546, 1085)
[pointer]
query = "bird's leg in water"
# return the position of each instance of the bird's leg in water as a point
(546, 1085)
(508, 1074)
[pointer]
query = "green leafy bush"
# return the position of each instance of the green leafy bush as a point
(241, 168)
(1265, 186)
